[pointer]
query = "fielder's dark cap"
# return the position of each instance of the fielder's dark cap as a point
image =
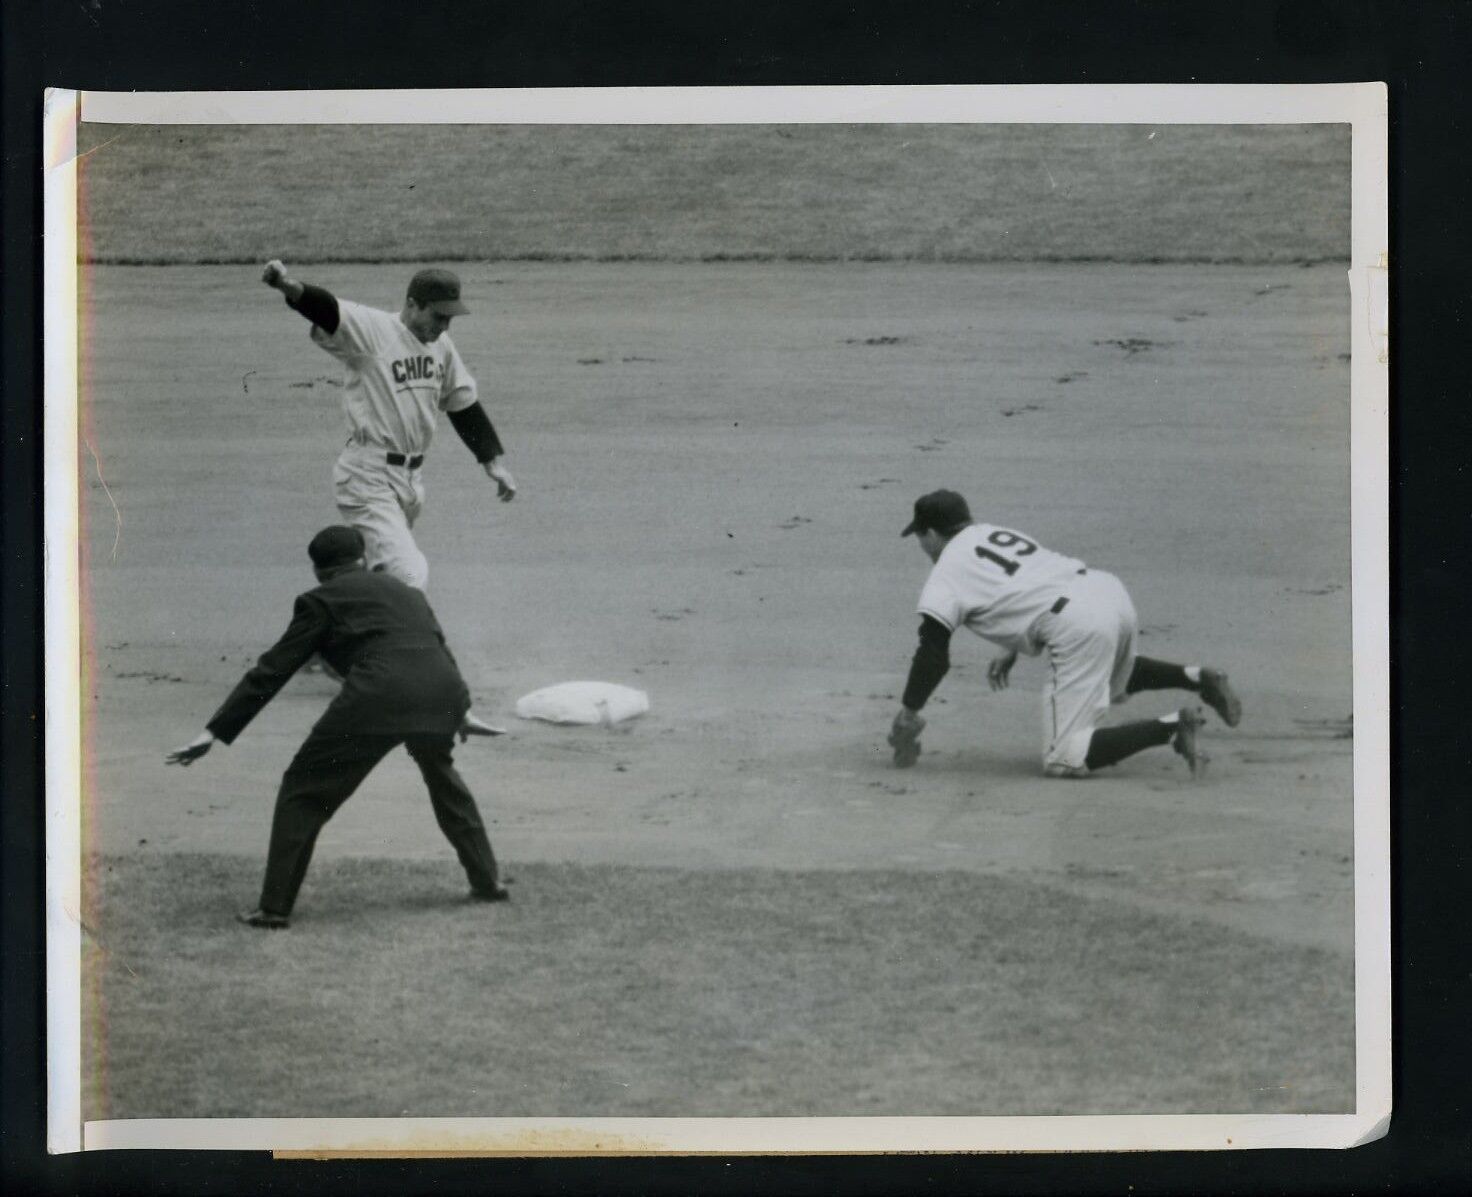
(437, 289)
(939, 511)
(336, 545)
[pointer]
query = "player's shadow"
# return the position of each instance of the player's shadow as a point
(977, 764)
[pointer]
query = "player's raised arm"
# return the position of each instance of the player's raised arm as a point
(317, 304)
(275, 276)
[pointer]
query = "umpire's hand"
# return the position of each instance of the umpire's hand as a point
(192, 751)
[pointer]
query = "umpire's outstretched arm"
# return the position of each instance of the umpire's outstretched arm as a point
(308, 629)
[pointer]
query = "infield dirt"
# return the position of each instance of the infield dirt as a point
(715, 462)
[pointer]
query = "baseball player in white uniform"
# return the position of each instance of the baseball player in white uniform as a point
(1008, 589)
(400, 371)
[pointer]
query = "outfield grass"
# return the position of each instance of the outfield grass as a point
(603, 990)
(244, 193)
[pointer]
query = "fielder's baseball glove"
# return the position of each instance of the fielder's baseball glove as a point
(904, 738)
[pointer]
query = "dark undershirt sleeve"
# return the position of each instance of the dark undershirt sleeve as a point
(474, 427)
(931, 662)
(319, 306)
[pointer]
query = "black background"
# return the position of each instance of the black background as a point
(1421, 49)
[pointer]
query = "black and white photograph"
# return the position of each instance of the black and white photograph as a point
(626, 622)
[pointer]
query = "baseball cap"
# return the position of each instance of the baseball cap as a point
(437, 289)
(939, 511)
(336, 545)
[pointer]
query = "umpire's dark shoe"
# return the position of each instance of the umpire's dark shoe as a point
(494, 893)
(1217, 693)
(263, 919)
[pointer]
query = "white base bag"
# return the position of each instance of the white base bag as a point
(583, 702)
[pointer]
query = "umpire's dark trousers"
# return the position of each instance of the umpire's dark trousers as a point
(323, 775)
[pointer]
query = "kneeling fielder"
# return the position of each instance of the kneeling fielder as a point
(1010, 590)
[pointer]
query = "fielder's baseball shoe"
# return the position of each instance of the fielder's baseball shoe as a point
(263, 919)
(1189, 721)
(1219, 696)
(496, 893)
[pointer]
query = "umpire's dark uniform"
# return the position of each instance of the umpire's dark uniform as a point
(400, 686)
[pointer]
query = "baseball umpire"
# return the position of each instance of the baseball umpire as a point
(401, 686)
(399, 372)
(1008, 589)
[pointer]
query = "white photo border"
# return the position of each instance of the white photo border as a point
(1361, 105)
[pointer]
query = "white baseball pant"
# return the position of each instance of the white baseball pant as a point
(1090, 646)
(382, 501)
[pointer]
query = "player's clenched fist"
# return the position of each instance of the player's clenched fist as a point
(274, 275)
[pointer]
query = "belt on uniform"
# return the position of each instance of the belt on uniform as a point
(1063, 602)
(412, 462)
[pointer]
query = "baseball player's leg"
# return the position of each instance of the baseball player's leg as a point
(1080, 747)
(1091, 654)
(402, 558)
(456, 813)
(1135, 673)
(321, 777)
(386, 534)
(382, 506)
(1147, 673)
(1206, 680)
(1114, 600)
(1110, 745)
(1075, 696)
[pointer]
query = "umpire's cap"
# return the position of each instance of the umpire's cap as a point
(438, 289)
(939, 511)
(336, 545)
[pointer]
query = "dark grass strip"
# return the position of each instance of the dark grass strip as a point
(605, 990)
(930, 193)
